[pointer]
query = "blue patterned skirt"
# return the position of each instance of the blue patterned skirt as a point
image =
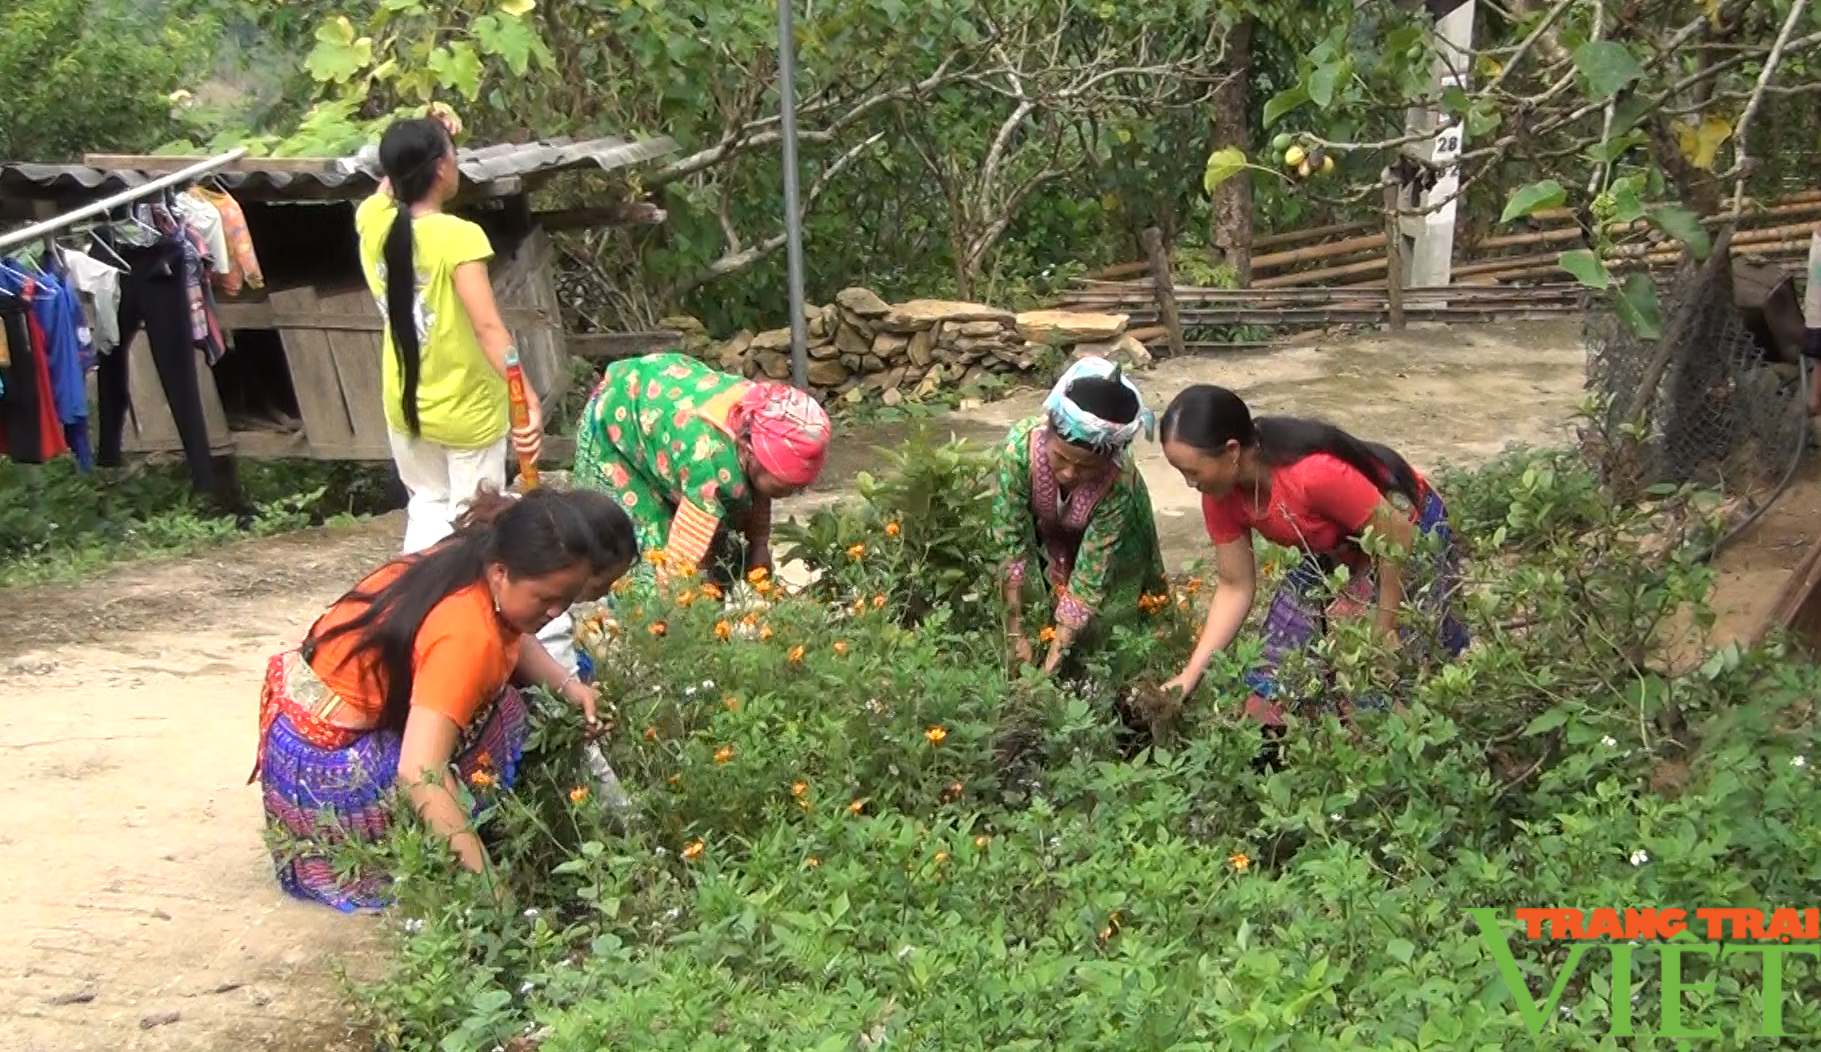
(1300, 612)
(324, 785)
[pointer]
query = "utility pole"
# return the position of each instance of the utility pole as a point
(793, 209)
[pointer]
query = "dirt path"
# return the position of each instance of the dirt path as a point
(132, 847)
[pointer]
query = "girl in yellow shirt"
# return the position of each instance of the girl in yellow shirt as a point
(445, 345)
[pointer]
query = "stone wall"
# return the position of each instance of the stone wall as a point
(860, 346)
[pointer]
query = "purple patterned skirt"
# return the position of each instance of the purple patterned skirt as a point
(1300, 612)
(317, 796)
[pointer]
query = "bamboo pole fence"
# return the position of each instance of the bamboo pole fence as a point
(1335, 275)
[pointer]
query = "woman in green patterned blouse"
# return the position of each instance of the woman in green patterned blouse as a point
(692, 453)
(1070, 501)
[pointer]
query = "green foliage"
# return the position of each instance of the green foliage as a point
(90, 75)
(56, 522)
(838, 846)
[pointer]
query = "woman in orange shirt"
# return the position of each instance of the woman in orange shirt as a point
(409, 678)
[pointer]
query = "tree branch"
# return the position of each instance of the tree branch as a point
(1741, 152)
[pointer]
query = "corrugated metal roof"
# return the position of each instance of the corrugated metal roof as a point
(287, 177)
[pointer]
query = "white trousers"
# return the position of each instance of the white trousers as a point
(441, 481)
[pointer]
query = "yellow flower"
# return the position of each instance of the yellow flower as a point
(686, 596)
(796, 654)
(857, 806)
(723, 631)
(891, 529)
(578, 794)
(686, 572)
(764, 633)
(757, 575)
(1048, 635)
(694, 851)
(840, 646)
(655, 557)
(935, 735)
(658, 628)
(878, 601)
(732, 703)
(723, 754)
(858, 551)
(859, 607)
(799, 788)
(981, 842)
(812, 862)
(941, 857)
(1239, 861)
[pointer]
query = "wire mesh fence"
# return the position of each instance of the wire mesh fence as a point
(1712, 405)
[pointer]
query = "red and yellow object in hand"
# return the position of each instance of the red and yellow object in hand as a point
(521, 415)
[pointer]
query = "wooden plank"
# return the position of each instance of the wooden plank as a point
(1798, 605)
(358, 358)
(140, 162)
(615, 346)
(150, 425)
(522, 285)
(270, 315)
(328, 422)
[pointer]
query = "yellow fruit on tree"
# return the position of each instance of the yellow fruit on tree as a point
(1327, 165)
(1294, 156)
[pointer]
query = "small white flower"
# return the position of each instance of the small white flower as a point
(1798, 761)
(1639, 857)
(526, 987)
(689, 692)
(531, 914)
(1334, 817)
(413, 924)
(673, 913)
(660, 852)
(708, 684)
(1609, 741)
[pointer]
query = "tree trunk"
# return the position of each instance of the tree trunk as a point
(1230, 211)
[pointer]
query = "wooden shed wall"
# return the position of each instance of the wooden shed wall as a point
(333, 344)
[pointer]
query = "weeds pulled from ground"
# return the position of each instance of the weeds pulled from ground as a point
(832, 849)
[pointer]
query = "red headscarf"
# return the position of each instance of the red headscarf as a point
(787, 430)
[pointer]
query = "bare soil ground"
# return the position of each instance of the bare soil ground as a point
(142, 913)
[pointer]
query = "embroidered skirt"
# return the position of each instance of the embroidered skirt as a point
(324, 785)
(1300, 613)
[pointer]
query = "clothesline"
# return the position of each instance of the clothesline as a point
(71, 218)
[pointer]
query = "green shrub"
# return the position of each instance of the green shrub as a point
(834, 852)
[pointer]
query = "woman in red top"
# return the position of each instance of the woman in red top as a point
(1308, 485)
(407, 682)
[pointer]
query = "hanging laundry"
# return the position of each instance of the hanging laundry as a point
(101, 284)
(59, 325)
(155, 298)
(30, 432)
(205, 219)
(240, 241)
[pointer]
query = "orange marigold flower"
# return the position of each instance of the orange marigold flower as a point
(723, 754)
(732, 703)
(651, 734)
(686, 596)
(878, 601)
(799, 788)
(757, 574)
(840, 646)
(857, 551)
(686, 572)
(710, 590)
(764, 632)
(658, 628)
(859, 607)
(694, 851)
(1239, 861)
(676, 779)
(891, 529)
(655, 557)
(578, 794)
(796, 654)
(749, 620)
(485, 759)
(763, 587)
(812, 862)
(723, 631)
(857, 806)
(482, 780)
(1048, 635)
(935, 735)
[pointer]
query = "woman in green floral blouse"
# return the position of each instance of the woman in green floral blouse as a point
(692, 453)
(1071, 503)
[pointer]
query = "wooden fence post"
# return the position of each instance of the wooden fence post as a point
(1163, 283)
(1394, 253)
